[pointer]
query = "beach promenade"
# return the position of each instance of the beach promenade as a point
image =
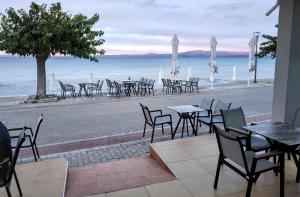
(75, 119)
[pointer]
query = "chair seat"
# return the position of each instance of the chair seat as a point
(207, 120)
(162, 120)
(261, 164)
(14, 141)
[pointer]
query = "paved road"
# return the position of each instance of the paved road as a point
(64, 122)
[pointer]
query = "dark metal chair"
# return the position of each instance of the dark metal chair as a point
(7, 160)
(187, 85)
(296, 125)
(234, 120)
(156, 121)
(66, 88)
(97, 87)
(246, 163)
(110, 86)
(174, 86)
(207, 105)
(215, 117)
(30, 138)
(119, 89)
(150, 86)
(164, 83)
(195, 82)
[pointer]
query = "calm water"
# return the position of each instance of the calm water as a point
(18, 75)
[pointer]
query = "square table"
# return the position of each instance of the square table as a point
(281, 136)
(185, 113)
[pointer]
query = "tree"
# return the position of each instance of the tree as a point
(268, 47)
(45, 31)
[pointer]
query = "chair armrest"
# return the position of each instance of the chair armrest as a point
(240, 131)
(217, 114)
(15, 129)
(159, 110)
(267, 155)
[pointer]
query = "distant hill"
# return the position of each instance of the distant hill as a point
(195, 53)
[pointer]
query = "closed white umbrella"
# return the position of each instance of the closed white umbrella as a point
(159, 77)
(52, 83)
(175, 66)
(189, 73)
(212, 61)
(251, 61)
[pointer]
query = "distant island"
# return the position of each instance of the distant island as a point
(195, 53)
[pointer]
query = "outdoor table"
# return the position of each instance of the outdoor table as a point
(280, 135)
(82, 86)
(185, 113)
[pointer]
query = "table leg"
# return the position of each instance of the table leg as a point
(297, 162)
(193, 127)
(282, 176)
(80, 90)
(176, 126)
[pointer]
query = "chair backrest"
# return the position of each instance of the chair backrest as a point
(5, 143)
(296, 120)
(146, 113)
(62, 86)
(98, 82)
(230, 147)
(108, 82)
(164, 82)
(169, 82)
(40, 120)
(221, 105)
(233, 118)
(151, 82)
(206, 103)
(195, 80)
(7, 168)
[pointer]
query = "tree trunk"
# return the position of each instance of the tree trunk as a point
(41, 77)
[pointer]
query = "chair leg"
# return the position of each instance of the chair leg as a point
(33, 151)
(249, 188)
(144, 129)
(218, 172)
(210, 128)
(187, 127)
(18, 184)
(152, 134)
(37, 152)
(162, 129)
(171, 131)
(182, 128)
(8, 190)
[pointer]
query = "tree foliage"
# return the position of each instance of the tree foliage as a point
(268, 47)
(44, 31)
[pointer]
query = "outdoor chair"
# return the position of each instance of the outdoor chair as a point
(174, 86)
(110, 86)
(195, 82)
(30, 138)
(150, 86)
(246, 163)
(164, 83)
(215, 117)
(296, 125)
(8, 160)
(119, 89)
(66, 88)
(187, 85)
(97, 87)
(156, 120)
(234, 120)
(207, 105)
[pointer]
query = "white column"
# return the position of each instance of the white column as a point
(286, 97)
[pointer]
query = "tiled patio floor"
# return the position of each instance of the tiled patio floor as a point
(193, 161)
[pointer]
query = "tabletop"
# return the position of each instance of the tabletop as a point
(185, 109)
(276, 131)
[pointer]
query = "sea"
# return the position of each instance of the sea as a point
(18, 74)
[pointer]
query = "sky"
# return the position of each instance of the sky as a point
(147, 26)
